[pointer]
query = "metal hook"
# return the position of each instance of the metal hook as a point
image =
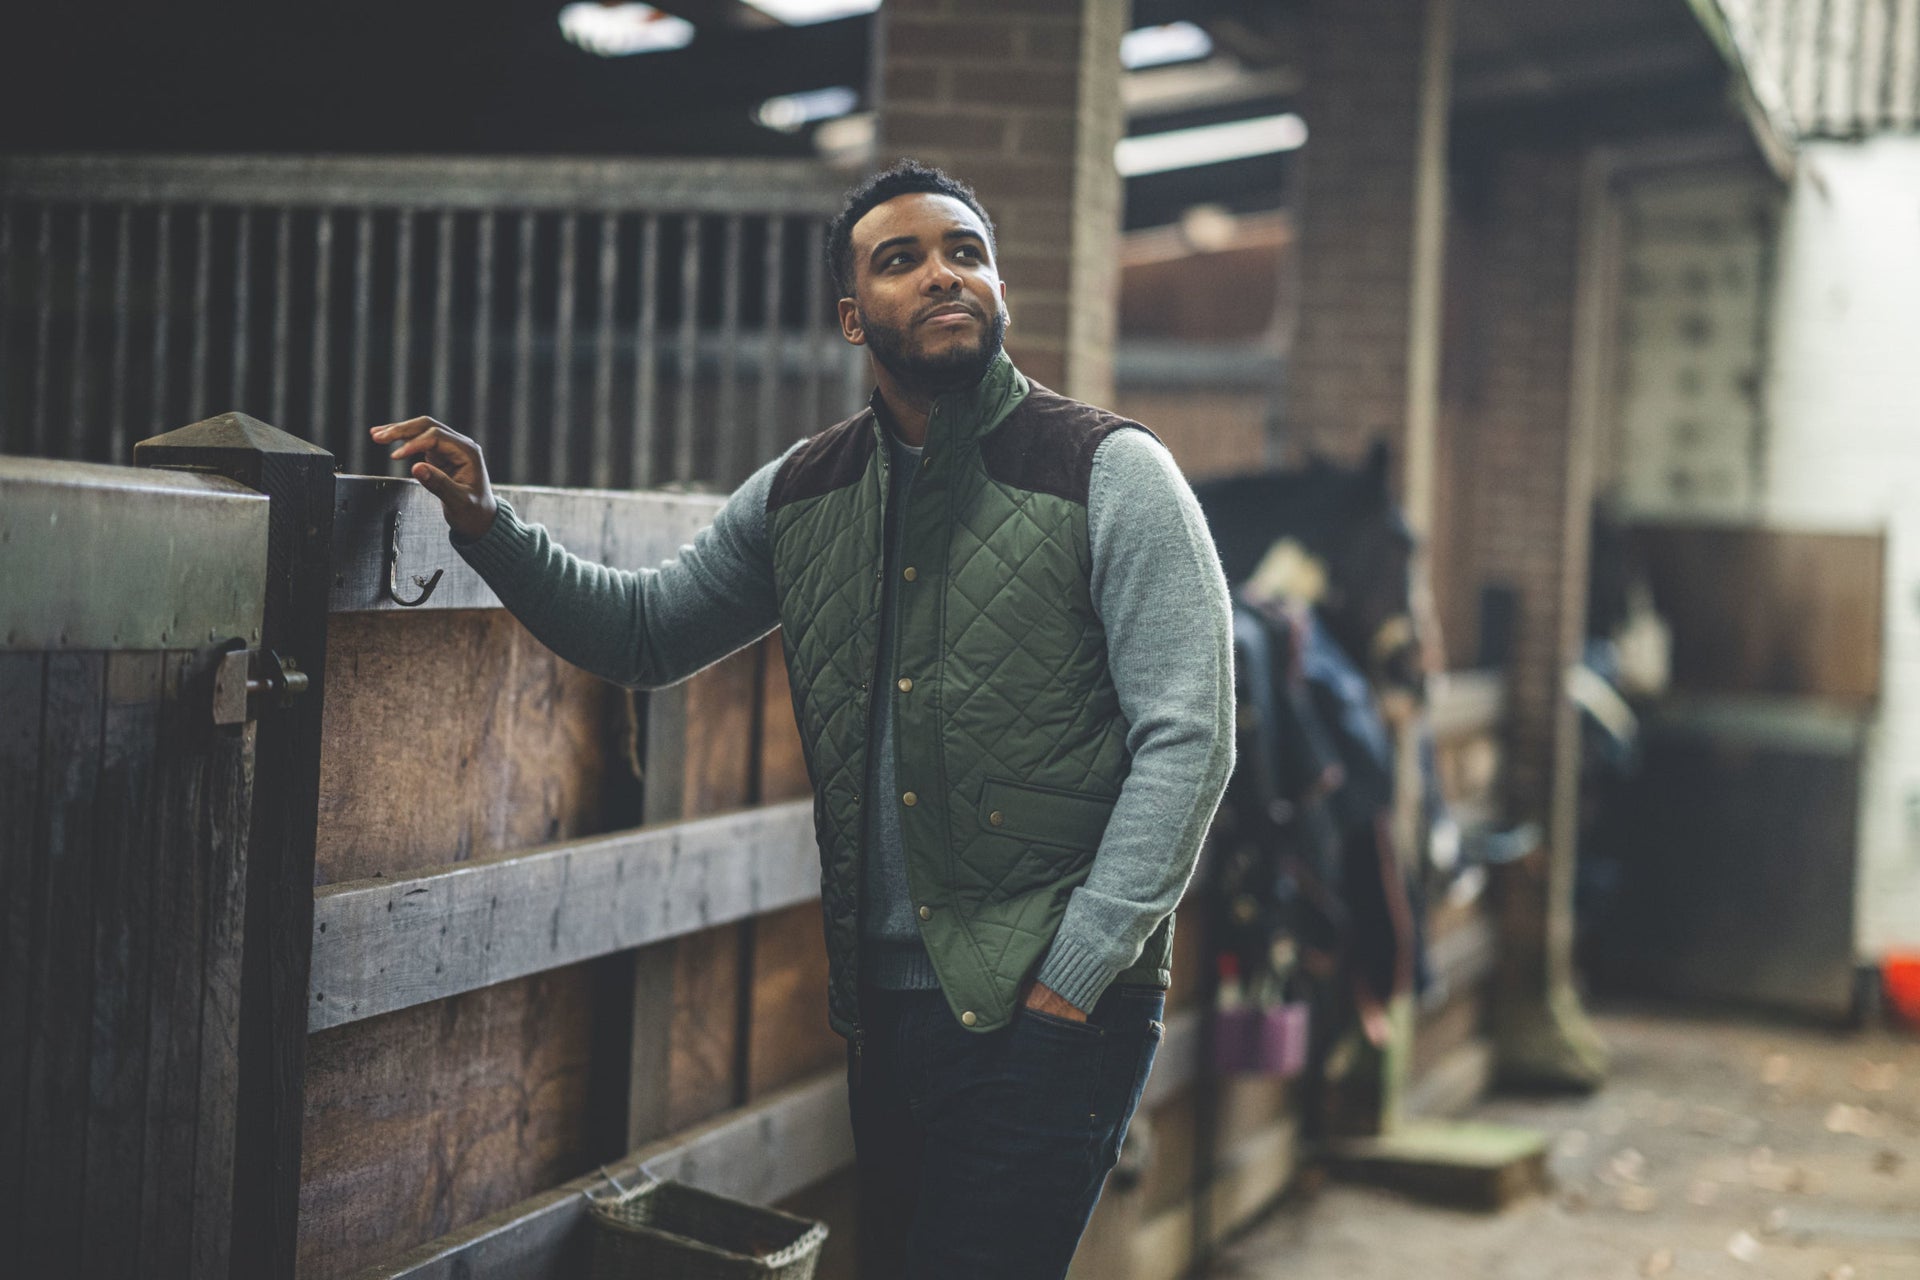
(426, 585)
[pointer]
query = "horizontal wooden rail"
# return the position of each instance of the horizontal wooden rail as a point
(627, 530)
(381, 945)
(732, 185)
(764, 1153)
(119, 558)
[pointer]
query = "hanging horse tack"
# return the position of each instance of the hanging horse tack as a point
(426, 585)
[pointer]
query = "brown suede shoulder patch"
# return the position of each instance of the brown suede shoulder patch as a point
(1047, 444)
(834, 459)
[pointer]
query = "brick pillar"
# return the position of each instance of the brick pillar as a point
(1529, 531)
(1372, 225)
(1021, 98)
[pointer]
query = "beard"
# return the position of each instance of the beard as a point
(950, 370)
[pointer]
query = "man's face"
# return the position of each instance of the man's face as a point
(927, 301)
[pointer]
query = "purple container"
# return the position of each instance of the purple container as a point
(1267, 1041)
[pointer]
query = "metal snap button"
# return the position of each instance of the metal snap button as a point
(967, 1019)
(926, 913)
(997, 818)
(909, 799)
(909, 573)
(906, 684)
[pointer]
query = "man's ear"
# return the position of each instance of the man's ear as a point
(1003, 302)
(850, 327)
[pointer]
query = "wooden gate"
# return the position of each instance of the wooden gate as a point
(124, 813)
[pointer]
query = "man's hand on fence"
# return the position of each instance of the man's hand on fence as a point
(449, 466)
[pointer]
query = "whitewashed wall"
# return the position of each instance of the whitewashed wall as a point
(1820, 289)
(1692, 342)
(1843, 449)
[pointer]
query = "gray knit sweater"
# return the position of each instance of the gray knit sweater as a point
(1156, 584)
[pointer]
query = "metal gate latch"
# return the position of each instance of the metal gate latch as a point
(245, 674)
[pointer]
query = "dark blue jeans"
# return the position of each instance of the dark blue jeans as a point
(981, 1154)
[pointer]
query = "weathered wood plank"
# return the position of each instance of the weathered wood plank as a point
(627, 530)
(223, 844)
(518, 759)
(703, 1030)
(277, 847)
(1770, 610)
(54, 1150)
(166, 1218)
(790, 1036)
(783, 763)
(733, 184)
(122, 925)
(763, 1153)
(22, 679)
(83, 569)
(686, 1036)
(650, 1042)
(721, 712)
(424, 1120)
(382, 945)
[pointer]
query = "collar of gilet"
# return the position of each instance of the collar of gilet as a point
(963, 414)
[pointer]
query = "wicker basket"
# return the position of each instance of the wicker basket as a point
(670, 1231)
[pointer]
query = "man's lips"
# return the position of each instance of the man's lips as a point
(949, 312)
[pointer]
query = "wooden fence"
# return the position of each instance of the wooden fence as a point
(373, 980)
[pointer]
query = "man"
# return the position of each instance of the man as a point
(1009, 645)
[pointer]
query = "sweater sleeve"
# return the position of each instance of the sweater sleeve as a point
(1160, 593)
(643, 628)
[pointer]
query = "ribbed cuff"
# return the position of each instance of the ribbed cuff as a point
(897, 966)
(1076, 974)
(505, 543)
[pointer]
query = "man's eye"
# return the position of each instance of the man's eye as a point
(967, 250)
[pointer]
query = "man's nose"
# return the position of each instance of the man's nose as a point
(941, 277)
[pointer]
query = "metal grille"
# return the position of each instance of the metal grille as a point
(592, 323)
(1837, 68)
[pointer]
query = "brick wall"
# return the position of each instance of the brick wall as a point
(1347, 380)
(1021, 98)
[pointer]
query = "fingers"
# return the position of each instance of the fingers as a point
(434, 437)
(437, 482)
(412, 427)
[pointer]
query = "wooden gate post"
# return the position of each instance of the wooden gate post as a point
(297, 477)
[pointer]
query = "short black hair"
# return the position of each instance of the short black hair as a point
(902, 178)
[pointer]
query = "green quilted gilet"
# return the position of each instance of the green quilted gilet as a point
(1010, 741)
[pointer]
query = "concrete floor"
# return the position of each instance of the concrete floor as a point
(1718, 1148)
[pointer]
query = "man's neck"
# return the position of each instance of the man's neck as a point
(908, 407)
(910, 404)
